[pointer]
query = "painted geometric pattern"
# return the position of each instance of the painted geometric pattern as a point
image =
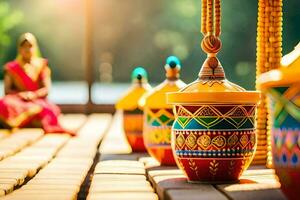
(157, 127)
(286, 147)
(159, 117)
(215, 117)
(285, 106)
(214, 143)
(158, 135)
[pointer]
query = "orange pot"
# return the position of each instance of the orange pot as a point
(133, 127)
(132, 114)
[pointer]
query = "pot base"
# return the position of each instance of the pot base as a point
(136, 141)
(163, 155)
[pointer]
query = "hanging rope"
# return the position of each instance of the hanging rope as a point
(203, 17)
(217, 18)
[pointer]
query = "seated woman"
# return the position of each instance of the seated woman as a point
(27, 81)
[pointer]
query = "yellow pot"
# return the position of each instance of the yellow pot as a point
(158, 115)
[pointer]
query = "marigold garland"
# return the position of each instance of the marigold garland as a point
(268, 56)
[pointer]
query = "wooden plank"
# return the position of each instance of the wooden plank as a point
(120, 167)
(54, 178)
(50, 187)
(123, 196)
(113, 177)
(52, 140)
(72, 122)
(132, 156)
(149, 162)
(8, 180)
(95, 126)
(115, 141)
(119, 175)
(7, 187)
(4, 133)
(120, 179)
(16, 175)
(121, 186)
(44, 195)
(18, 140)
(35, 181)
(2, 192)
(168, 180)
(202, 193)
(120, 163)
(66, 172)
(29, 160)
(81, 150)
(29, 134)
(255, 184)
(261, 194)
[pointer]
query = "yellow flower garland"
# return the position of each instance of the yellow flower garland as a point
(268, 57)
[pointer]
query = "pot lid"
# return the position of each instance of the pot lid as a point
(129, 101)
(156, 98)
(213, 87)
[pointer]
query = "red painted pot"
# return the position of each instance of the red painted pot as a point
(214, 143)
(213, 135)
(133, 128)
(286, 155)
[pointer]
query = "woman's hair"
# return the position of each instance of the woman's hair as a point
(29, 37)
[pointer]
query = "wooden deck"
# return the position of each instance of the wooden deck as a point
(98, 164)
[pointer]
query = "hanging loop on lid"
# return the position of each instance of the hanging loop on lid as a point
(211, 43)
(172, 68)
(139, 75)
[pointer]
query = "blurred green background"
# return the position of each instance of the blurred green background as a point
(128, 33)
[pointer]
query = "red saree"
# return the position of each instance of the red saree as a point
(16, 112)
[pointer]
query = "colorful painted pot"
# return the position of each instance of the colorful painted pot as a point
(132, 114)
(158, 115)
(213, 136)
(283, 89)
